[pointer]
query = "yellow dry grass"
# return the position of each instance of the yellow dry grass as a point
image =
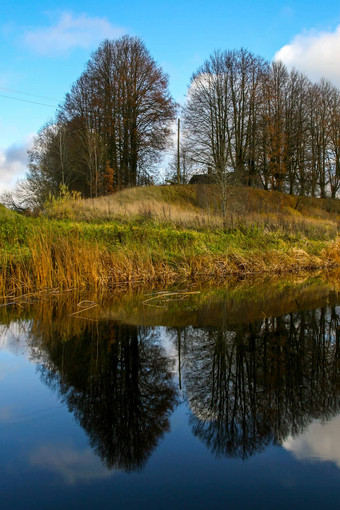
(199, 207)
(63, 263)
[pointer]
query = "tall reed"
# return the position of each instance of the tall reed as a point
(56, 261)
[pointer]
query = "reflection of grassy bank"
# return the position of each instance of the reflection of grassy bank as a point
(149, 246)
(238, 302)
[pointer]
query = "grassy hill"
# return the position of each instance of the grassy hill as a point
(199, 206)
(164, 234)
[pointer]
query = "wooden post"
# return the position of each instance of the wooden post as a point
(178, 155)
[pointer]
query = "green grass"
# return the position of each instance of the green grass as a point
(59, 249)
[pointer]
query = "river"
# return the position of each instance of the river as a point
(185, 398)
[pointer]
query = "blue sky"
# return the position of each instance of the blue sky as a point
(44, 47)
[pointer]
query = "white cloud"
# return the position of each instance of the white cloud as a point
(71, 32)
(13, 163)
(70, 464)
(315, 53)
(318, 443)
(13, 340)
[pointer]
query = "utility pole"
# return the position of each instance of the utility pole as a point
(61, 155)
(178, 155)
(179, 358)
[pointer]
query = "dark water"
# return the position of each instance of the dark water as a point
(222, 399)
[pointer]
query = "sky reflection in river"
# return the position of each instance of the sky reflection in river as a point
(213, 400)
(319, 442)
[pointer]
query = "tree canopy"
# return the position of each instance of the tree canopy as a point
(263, 125)
(112, 126)
(245, 120)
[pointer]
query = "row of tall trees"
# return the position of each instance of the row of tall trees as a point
(245, 121)
(112, 126)
(264, 126)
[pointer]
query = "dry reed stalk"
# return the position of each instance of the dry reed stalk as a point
(58, 263)
(83, 310)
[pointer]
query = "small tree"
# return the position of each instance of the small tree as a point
(109, 180)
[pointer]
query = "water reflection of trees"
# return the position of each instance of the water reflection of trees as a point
(251, 385)
(117, 381)
(248, 384)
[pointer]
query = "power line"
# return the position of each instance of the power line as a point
(28, 94)
(28, 101)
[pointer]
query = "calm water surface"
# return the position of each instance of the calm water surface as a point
(220, 399)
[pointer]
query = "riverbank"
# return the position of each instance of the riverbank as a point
(164, 235)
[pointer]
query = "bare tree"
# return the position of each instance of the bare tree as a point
(222, 116)
(333, 150)
(264, 126)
